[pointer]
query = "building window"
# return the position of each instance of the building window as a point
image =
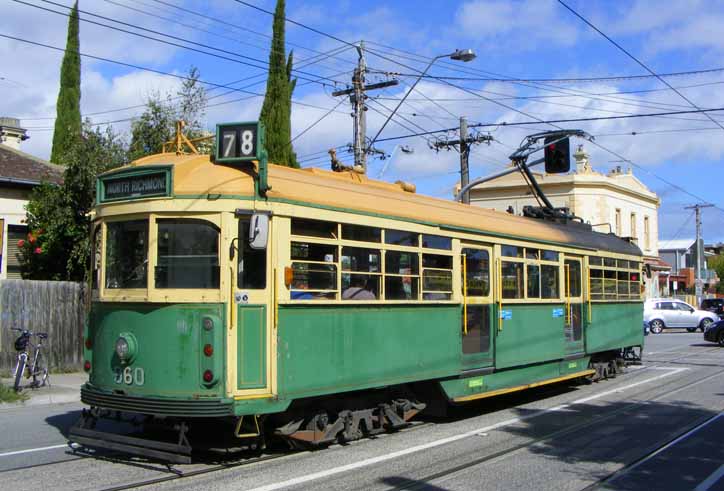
(618, 221)
(647, 232)
(15, 233)
(633, 225)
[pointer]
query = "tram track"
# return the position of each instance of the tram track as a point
(418, 483)
(177, 474)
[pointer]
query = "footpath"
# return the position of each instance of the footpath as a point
(64, 388)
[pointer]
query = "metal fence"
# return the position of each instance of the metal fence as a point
(54, 307)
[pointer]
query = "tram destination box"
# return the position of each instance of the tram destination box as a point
(239, 142)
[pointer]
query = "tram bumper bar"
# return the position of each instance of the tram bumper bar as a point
(176, 453)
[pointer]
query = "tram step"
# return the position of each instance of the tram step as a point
(168, 452)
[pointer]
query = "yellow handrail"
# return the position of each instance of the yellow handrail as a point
(465, 294)
(588, 275)
(276, 300)
(500, 294)
(568, 295)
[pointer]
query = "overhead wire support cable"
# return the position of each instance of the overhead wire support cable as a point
(153, 70)
(627, 53)
(265, 67)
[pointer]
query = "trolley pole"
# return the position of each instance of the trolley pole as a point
(699, 282)
(463, 144)
(359, 109)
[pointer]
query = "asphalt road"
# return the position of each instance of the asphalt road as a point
(659, 426)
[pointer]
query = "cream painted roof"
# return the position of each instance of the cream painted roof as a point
(196, 175)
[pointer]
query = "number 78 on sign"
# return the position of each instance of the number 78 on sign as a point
(239, 142)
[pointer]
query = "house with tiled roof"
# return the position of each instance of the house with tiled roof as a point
(19, 174)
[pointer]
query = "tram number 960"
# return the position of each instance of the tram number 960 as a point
(129, 376)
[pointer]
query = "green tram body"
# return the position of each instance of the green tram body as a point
(270, 349)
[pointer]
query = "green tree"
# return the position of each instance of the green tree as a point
(276, 112)
(717, 264)
(67, 119)
(58, 244)
(157, 124)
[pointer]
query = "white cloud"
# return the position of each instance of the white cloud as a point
(516, 25)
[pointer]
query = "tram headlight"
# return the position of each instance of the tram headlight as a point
(126, 347)
(208, 323)
(122, 348)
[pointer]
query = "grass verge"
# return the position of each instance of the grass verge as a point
(7, 394)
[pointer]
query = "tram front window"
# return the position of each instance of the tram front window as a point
(127, 254)
(188, 254)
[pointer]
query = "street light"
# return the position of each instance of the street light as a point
(463, 55)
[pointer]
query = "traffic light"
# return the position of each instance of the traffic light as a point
(557, 155)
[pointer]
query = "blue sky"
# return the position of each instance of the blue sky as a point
(533, 39)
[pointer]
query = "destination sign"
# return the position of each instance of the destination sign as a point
(138, 186)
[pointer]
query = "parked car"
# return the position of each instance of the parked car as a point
(715, 305)
(662, 313)
(715, 333)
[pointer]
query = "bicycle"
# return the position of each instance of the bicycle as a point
(37, 369)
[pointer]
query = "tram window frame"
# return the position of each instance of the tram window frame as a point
(620, 282)
(142, 282)
(393, 242)
(471, 268)
(309, 271)
(254, 276)
(191, 276)
(358, 283)
(541, 277)
(437, 276)
(96, 258)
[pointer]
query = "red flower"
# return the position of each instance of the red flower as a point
(38, 250)
(21, 243)
(31, 238)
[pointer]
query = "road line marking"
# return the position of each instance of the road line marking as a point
(443, 441)
(39, 449)
(712, 479)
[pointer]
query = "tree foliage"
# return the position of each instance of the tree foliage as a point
(57, 246)
(157, 124)
(68, 119)
(717, 264)
(276, 112)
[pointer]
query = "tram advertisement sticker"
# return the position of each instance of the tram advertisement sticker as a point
(558, 312)
(506, 314)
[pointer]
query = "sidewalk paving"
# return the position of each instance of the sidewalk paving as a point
(64, 388)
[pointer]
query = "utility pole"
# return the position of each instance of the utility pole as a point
(463, 144)
(699, 250)
(357, 97)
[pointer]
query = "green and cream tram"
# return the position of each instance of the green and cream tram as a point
(318, 305)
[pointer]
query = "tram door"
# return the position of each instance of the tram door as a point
(573, 295)
(477, 312)
(251, 287)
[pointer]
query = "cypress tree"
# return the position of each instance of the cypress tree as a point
(67, 119)
(276, 112)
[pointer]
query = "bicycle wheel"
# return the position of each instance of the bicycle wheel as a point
(41, 371)
(19, 369)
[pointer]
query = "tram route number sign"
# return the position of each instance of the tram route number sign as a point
(239, 142)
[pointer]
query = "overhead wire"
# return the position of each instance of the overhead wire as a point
(644, 66)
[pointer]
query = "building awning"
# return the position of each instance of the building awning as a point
(657, 264)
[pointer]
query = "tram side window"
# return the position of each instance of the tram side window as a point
(549, 281)
(512, 275)
(188, 254)
(251, 270)
(361, 273)
(96, 258)
(477, 267)
(127, 254)
(436, 277)
(314, 271)
(401, 275)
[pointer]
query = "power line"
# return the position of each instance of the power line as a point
(552, 121)
(211, 32)
(153, 70)
(638, 61)
(611, 78)
(226, 58)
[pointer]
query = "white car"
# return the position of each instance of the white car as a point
(661, 313)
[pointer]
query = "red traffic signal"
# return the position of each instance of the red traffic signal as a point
(557, 155)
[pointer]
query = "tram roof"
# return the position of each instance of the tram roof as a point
(195, 175)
